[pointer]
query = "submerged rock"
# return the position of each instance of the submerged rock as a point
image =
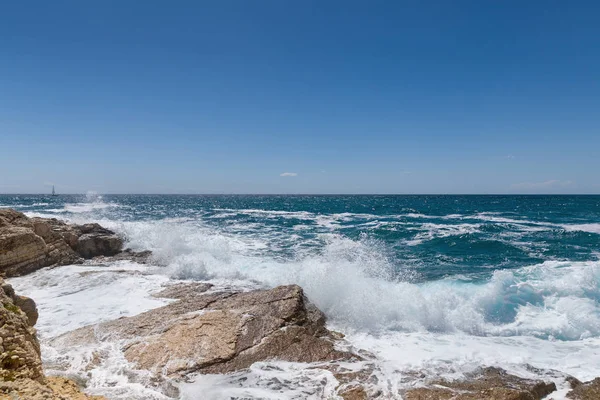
(219, 332)
(488, 384)
(28, 244)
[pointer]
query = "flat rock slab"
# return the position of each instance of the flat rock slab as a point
(218, 332)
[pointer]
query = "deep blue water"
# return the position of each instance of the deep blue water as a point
(424, 237)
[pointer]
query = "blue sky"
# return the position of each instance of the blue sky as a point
(338, 97)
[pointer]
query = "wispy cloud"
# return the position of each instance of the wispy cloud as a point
(552, 184)
(288, 174)
(509, 157)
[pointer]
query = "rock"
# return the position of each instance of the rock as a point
(584, 391)
(219, 332)
(19, 347)
(140, 257)
(90, 245)
(54, 388)
(488, 384)
(21, 375)
(21, 251)
(28, 244)
(353, 393)
(28, 306)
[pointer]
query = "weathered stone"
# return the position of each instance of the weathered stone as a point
(28, 306)
(140, 257)
(488, 384)
(353, 393)
(53, 388)
(28, 244)
(585, 391)
(219, 332)
(21, 375)
(90, 245)
(19, 348)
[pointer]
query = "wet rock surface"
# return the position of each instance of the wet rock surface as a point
(488, 384)
(584, 390)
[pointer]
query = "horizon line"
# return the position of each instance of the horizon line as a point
(304, 194)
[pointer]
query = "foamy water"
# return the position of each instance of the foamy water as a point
(534, 301)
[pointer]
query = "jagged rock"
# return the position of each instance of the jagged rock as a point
(140, 257)
(353, 393)
(584, 391)
(219, 332)
(21, 375)
(91, 245)
(88, 240)
(54, 388)
(28, 244)
(28, 306)
(488, 384)
(19, 347)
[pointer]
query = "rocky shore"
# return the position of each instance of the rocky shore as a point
(202, 330)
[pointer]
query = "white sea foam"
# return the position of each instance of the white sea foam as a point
(88, 207)
(264, 380)
(592, 228)
(63, 294)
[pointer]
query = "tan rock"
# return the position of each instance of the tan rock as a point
(19, 347)
(21, 375)
(28, 244)
(53, 388)
(219, 332)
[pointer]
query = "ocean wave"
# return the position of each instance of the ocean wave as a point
(89, 207)
(591, 228)
(359, 284)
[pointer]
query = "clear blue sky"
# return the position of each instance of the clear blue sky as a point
(343, 96)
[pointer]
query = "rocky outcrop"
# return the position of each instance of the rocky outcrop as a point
(19, 347)
(219, 332)
(21, 374)
(584, 391)
(28, 244)
(489, 383)
(94, 240)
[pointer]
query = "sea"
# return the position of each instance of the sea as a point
(430, 285)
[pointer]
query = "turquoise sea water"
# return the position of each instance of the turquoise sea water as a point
(418, 237)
